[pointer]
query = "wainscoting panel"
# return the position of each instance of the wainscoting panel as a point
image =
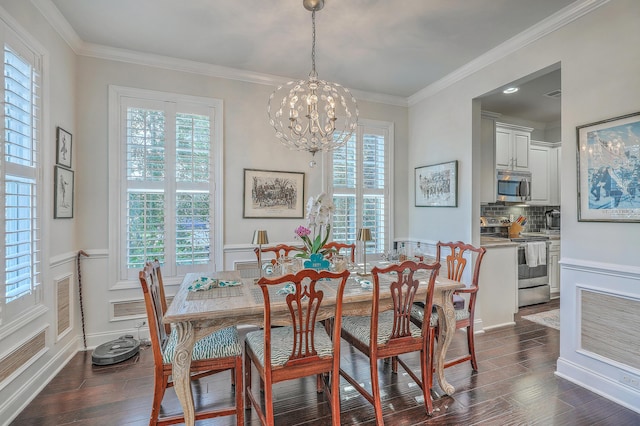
(600, 328)
(610, 327)
(19, 357)
(62, 288)
(122, 310)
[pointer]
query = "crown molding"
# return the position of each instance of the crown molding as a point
(59, 23)
(543, 28)
(546, 26)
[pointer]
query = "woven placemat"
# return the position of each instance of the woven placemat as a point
(215, 293)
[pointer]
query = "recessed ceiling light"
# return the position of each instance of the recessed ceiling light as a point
(510, 90)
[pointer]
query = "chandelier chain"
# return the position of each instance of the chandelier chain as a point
(313, 45)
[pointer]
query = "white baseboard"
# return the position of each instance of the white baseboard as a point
(604, 386)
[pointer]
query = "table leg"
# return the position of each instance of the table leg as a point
(447, 326)
(181, 370)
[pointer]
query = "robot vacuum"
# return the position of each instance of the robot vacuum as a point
(115, 351)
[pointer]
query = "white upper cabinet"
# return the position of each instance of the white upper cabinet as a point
(487, 161)
(545, 183)
(512, 146)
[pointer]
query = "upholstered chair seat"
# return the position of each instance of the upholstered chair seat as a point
(221, 344)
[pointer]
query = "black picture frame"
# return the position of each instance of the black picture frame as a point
(63, 193)
(271, 194)
(608, 166)
(64, 145)
(436, 185)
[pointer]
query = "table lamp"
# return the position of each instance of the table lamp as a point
(364, 235)
(260, 237)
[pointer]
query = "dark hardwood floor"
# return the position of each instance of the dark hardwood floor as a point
(516, 385)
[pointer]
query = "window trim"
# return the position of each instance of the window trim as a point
(15, 315)
(116, 173)
(382, 126)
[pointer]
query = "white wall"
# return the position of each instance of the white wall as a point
(60, 234)
(248, 143)
(600, 63)
(77, 101)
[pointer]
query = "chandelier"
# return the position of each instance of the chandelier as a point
(313, 115)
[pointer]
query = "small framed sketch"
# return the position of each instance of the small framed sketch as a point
(609, 170)
(273, 194)
(437, 185)
(63, 193)
(63, 147)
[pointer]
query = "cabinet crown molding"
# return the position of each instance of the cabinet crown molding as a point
(514, 127)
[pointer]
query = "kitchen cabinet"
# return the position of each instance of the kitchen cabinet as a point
(512, 146)
(554, 268)
(545, 182)
(487, 159)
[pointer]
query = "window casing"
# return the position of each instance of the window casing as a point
(21, 174)
(168, 155)
(359, 178)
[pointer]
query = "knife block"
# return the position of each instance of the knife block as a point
(514, 230)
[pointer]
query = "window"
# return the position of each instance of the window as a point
(168, 150)
(20, 167)
(360, 178)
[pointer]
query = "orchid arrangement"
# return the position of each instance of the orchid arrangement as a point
(319, 212)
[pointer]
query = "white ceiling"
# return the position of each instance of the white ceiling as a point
(532, 101)
(383, 47)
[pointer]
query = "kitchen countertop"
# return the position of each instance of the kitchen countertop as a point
(489, 242)
(551, 236)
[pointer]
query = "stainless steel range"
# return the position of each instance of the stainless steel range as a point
(533, 276)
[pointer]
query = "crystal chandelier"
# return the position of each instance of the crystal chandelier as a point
(313, 115)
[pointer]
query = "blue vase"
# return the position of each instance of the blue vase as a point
(318, 262)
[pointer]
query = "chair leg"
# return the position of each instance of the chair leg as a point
(335, 397)
(268, 405)
(247, 380)
(375, 390)
(159, 385)
(394, 364)
(472, 349)
(426, 376)
(237, 376)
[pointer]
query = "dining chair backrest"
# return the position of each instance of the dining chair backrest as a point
(304, 304)
(455, 258)
(155, 264)
(278, 251)
(336, 247)
(404, 286)
(152, 299)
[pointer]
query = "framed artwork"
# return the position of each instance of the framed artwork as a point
(63, 147)
(273, 194)
(437, 185)
(63, 194)
(609, 170)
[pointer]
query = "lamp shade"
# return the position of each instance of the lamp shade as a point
(364, 234)
(260, 237)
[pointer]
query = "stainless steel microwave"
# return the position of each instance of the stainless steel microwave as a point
(513, 186)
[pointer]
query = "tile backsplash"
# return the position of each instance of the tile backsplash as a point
(534, 214)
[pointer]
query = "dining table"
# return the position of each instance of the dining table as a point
(239, 301)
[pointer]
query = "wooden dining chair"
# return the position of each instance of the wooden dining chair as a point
(390, 333)
(335, 248)
(303, 348)
(220, 351)
(456, 263)
(278, 251)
